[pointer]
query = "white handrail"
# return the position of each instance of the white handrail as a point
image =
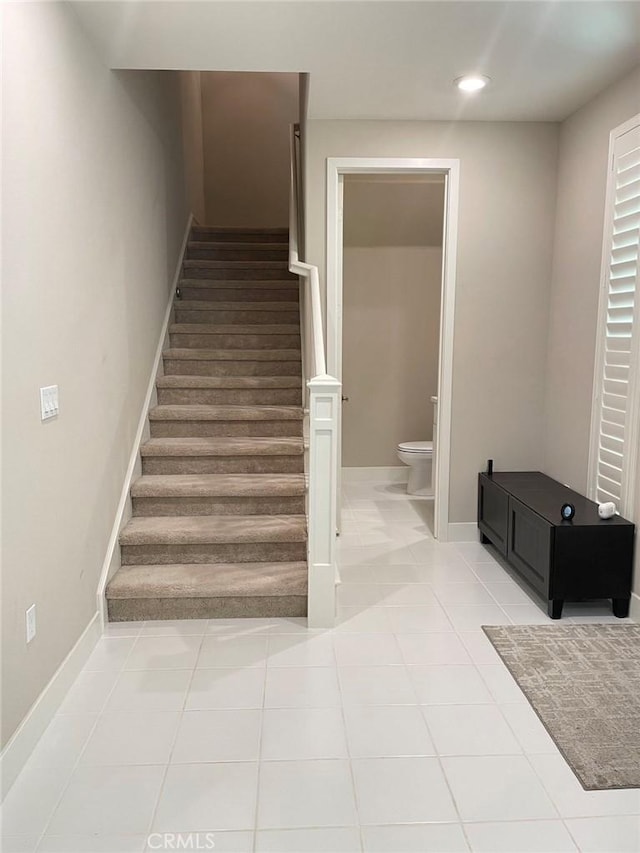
(323, 395)
(308, 271)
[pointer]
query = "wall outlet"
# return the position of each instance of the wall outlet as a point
(31, 623)
(48, 402)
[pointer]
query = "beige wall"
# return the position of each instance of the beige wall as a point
(93, 216)
(391, 323)
(507, 212)
(582, 180)
(380, 211)
(246, 118)
(192, 143)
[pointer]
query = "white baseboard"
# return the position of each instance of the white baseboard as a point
(463, 531)
(123, 513)
(31, 729)
(634, 611)
(393, 474)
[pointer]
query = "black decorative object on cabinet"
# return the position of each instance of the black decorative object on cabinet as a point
(563, 560)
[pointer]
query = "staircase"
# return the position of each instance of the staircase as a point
(219, 527)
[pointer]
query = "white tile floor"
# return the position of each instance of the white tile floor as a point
(399, 730)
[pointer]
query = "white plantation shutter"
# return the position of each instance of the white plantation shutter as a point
(615, 424)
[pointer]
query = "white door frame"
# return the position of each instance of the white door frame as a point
(337, 168)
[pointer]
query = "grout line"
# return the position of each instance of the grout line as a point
(93, 728)
(571, 835)
(161, 789)
(350, 757)
(259, 760)
(438, 758)
(541, 782)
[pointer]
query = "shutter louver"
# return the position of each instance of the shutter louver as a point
(615, 394)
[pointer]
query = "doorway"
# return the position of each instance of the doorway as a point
(410, 169)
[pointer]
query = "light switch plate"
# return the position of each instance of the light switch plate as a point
(48, 402)
(31, 623)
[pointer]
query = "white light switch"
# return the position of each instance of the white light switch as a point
(31, 623)
(48, 402)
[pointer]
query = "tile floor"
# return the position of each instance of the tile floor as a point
(399, 730)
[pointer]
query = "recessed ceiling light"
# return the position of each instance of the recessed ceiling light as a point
(471, 82)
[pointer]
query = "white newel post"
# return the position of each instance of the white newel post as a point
(324, 399)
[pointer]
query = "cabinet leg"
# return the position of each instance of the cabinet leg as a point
(621, 607)
(485, 539)
(554, 608)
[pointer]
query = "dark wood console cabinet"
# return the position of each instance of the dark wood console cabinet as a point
(587, 557)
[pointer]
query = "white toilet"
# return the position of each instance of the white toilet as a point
(418, 455)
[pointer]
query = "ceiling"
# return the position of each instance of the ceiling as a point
(388, 60)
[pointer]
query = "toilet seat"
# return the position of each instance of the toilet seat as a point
(423, 447)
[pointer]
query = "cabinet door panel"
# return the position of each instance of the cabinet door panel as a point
(529, 545)
(493, 512)
(592, 562)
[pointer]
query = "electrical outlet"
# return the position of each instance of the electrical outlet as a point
(31, 623)
(48, 402)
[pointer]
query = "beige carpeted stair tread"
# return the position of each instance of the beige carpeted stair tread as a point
(190, 412)
(239, 284)
(213, 252)
(178, 381)
(189, 354)
(230, 231)
(196, 305)
(230, 329)
(220, 244)
(218, 485)
(216, 529)
(192, 263)
(232, 446)
(281, 249)
(209, 580)
(237, 343)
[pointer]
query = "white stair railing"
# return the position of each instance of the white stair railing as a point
(322, 401)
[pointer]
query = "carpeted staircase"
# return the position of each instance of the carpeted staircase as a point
(219, 525)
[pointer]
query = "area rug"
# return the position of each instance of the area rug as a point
(583, 681)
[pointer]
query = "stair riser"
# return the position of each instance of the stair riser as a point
(214, 254)
(232, 607)
(222, 464)
(191, 269)
(286, 505)
(180, 340)
(225, 429)
(230, 396)
(232, 552)
(238, 317)
(205, 235)
(250, 293)
(182, 367)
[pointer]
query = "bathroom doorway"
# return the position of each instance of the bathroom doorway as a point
(390, 299)
(392, 281)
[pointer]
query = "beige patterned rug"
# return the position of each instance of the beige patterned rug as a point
(583, 681)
